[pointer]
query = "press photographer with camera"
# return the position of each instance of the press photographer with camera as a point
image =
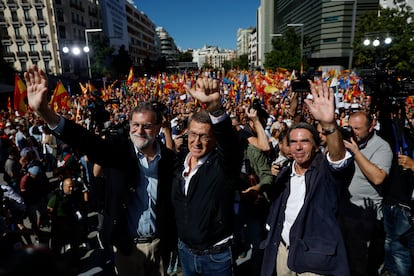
(360, 213)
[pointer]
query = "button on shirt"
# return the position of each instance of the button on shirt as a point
(141, 222)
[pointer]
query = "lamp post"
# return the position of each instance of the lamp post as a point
(354, 11)
(86, 48)
(301, 42)
(376, 43)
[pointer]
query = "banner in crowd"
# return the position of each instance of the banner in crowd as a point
(60, 98)
(20, 94)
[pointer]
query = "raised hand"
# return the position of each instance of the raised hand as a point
(37, 88)
(207, 91)
(322, 104)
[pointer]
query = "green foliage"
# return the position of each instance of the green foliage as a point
(101, 57)
(185, 56)
(121, 63)
(286, 51)
(393, 23)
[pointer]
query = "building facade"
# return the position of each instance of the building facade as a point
(327, 27)
(37, 31)
(144, 42)
(168, 48)
(243, 41)
(28, 34)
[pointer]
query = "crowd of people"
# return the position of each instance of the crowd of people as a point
(231, 173)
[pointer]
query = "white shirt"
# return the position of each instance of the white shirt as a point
(297, 195)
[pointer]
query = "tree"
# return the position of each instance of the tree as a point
(121, 63)
(186, 56)
(102, 57)
(395, 23)
(286, 51)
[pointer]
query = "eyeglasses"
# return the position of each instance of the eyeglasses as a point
(135, 126)
(203, 137)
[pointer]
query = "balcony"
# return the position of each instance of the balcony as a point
(33, 54)
(28, 21)
(3, 22)
(31, 38)
(22, 56)
(25, 3)
(19, 39)
(44, 38)
(12, 4)
(6, 41)
(38, 3)
(46, 53)
(40, 20)
(9, 55)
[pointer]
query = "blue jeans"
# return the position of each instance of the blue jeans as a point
(397, 257)
(206, 265)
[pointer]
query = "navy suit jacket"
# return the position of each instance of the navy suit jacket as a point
(316, 243)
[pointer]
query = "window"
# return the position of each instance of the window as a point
(331, 19)
(47, 65)
(42, 30)
(44, 47)
(330, 40)
(32, 47)
(62, 32)
(23, 65)
(20, 48)
(39, 14)
(17, 31)
(27, 15)
(29, 31)
(14, 15)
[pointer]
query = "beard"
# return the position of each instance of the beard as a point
(141, 141)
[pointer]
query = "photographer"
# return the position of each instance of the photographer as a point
(180, 136)
(361, 206)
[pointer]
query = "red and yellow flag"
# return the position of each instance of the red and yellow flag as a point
(60, 98)
(84, 88)
(20, 93)
(130, 76)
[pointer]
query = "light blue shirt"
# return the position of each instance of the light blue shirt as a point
(140, 220)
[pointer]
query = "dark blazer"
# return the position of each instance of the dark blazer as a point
(120, 163)
(206, 214)
(316, 243)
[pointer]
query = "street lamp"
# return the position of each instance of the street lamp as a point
(301, 42)
(86, 48)
(354, 11)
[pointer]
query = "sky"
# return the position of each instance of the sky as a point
(194, 23)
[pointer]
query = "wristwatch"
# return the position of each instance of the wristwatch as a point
(328, 131)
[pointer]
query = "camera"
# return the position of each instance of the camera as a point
(261, 113)
(301, 85)
(347, 133)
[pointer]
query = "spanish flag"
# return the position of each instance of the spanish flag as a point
(60, 98)
(130, 76)
(20, 93)
(84, 88)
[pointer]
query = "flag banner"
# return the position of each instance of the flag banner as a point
(60, 98)
(130, 78)
(20, 94)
